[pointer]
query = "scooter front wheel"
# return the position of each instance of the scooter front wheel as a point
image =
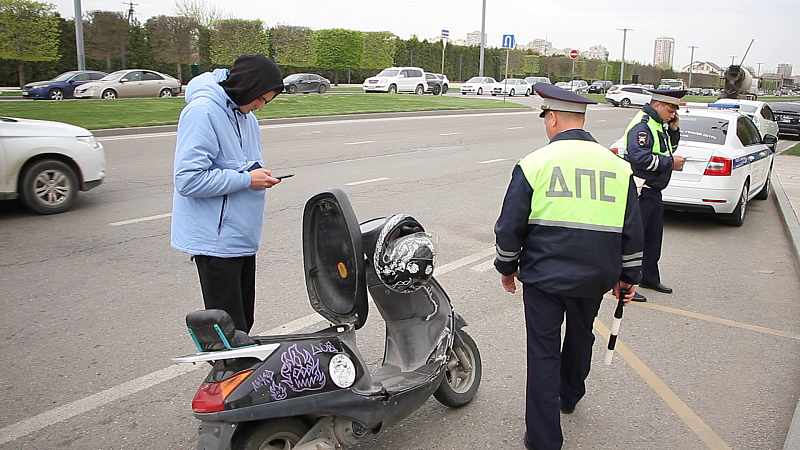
(460, 383)
(278, 434)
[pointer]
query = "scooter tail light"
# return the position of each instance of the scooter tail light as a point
(210, 397)
(719, 166)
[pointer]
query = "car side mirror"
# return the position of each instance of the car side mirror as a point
(770, 140)
(123, 80)
(401, 76)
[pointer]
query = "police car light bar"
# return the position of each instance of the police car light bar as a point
(723, 105)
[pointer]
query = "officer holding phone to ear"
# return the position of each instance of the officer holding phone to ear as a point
(651, 139)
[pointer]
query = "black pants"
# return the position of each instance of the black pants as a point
(652, 209)
(229, 284)
(554, 372)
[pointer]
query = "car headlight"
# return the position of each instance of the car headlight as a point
(89, 140)
(42, 86)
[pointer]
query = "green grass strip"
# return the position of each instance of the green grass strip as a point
(794, 150)
(135, 112)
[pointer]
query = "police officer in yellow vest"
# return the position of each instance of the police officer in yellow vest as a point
(570, 230)
(650, 140)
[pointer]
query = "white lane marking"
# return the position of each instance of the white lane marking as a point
(137, 136)
(448, 134)
(141, 219)
(484, 266)
(600, 121)
(354, 183)
(390, 155)
(514, 128)
(491, 161)
(357, 143)
(102, 398)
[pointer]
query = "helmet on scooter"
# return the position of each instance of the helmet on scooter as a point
(404, 254)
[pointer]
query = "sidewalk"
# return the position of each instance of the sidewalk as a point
(786, 185)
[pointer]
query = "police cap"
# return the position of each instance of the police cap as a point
(556, 99)
(669, 96)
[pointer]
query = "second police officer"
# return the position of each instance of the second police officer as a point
(570, 230)
(650, 140)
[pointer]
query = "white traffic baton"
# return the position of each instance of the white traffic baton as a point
(612, 340)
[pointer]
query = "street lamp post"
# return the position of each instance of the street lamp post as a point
(79, 36)
(691, 63)
(624, 38)
(733, 58)
(483, 33)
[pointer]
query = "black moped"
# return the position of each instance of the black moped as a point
(314, 391)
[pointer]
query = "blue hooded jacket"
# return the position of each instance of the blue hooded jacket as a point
(214, 211)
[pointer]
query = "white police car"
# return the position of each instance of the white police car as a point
(727, 164)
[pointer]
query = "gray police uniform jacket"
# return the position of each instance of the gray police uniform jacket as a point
(575, 232)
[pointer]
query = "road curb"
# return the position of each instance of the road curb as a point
(443, 112)
(791, 227)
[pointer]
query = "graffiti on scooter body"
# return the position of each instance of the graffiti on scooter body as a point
(276, 391)
(300, 370)
(326, 347)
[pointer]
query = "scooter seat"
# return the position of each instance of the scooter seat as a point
(213, 330)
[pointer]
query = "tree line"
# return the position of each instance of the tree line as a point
(36, 43)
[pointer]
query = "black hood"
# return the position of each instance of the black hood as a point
(251, 77)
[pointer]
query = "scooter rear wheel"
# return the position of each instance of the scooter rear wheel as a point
(279, 434)
(459, 386)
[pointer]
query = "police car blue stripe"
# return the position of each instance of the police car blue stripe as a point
(742, 161)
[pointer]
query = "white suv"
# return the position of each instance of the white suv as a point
(627, 95)
(47, 163)
(397, 79)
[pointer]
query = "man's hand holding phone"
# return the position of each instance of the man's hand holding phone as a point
(262, 179)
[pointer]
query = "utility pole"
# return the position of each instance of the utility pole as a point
(759, 70)
(691, 63)
(483, 38)
(624, 38)
(130, 10)
(733, 58)
(79, 35)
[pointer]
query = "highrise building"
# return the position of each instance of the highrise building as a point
(664, 51)
(474, 38)
(541, 47)
(785, 70)
(596, 52)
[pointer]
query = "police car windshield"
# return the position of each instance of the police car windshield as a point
(708, 130)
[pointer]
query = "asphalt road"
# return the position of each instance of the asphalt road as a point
(94, 299)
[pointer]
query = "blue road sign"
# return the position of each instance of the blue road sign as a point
(445, 33)
(508, 41)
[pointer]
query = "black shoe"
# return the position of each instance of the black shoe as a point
(528, 444)
(660, 287)
(567, 410)
(637, 297)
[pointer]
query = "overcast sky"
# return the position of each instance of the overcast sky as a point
(720, 29)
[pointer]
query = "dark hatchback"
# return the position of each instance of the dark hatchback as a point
(60, 87)
(305, 83)
(600, 87)
(788, 117)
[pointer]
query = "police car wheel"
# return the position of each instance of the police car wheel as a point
(736, 218)
(459, 386)
(763, 194)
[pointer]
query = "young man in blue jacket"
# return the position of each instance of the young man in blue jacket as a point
(221, 182)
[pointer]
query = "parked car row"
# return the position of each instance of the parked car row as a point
(130, 83)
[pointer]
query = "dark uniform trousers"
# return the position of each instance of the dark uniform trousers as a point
(229, 284)
(555, 372)
(652, 210)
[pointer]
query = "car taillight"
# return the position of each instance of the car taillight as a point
(719, 166)
(616, 92)
(210, 397)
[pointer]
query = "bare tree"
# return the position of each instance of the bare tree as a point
(174, 39)
(201, 11)
(104, 34)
